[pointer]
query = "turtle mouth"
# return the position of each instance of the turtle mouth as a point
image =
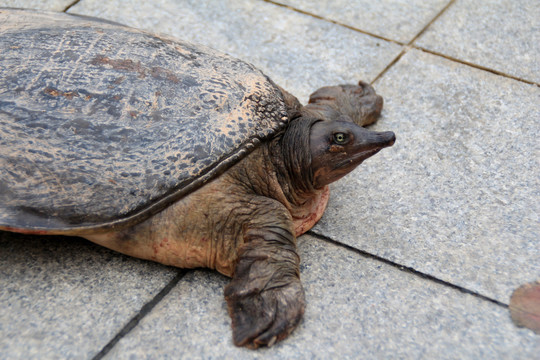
(358, 158)
(364, 151)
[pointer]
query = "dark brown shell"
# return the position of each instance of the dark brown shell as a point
(103, 125)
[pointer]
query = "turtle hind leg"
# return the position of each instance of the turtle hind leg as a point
(265, 297)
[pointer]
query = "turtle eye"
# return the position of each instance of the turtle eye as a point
(341, 138)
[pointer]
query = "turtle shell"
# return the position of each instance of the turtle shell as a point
(102, 125)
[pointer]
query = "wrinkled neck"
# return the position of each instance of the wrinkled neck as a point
(291, 158)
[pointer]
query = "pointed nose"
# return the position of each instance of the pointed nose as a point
(376, 140)
(387, 138)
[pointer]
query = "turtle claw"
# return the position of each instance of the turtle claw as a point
(261, 318)
(277, 331)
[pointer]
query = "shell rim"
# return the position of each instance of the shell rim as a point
(144, 213)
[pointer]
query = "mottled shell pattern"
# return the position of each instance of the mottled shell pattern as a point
(102, 125)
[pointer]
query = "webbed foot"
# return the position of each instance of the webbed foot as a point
(265, 298)
(260, 318)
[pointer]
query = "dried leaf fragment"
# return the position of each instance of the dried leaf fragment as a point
(525, 306)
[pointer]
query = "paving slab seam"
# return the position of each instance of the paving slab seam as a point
(409, 45)
(406, 48)
(392, 63)
(407, 269)
(71, 5)
(145, 310)
(443, 10)
(476, 66)
(304, 12)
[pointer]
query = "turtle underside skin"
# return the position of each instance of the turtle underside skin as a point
(175, 153)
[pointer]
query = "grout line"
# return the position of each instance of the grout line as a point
(392, 63)
(407, 269)
(333, 22)
(443, 10)
(409, 44)
(476, 66)
(70, 5)
(142, 313)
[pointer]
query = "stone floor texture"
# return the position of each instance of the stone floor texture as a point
(420, 248)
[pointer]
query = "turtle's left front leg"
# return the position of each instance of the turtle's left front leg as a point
(265, 297)
(357, 103)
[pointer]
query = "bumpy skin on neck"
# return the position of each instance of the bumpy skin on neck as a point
(280, 170)
(291, 158)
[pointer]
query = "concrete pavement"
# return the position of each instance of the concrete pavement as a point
(420, 248)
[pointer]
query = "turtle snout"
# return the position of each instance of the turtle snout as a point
(388, 138)
(375, 140)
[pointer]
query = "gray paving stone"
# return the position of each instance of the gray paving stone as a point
(298, 52)
(357, 308)
(396, 20)
(53, 5)
(503, 35)
(66, 298)
(458, 195)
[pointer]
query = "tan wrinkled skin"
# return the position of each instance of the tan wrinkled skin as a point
(206, 228)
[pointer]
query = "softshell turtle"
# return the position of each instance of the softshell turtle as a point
(173, 152)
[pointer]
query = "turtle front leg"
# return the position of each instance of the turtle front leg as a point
(265, 297)
(357, 103)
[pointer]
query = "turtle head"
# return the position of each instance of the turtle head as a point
(338, 146)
